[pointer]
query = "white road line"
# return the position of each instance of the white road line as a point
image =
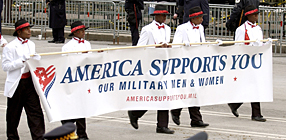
(204, 112)
(213, 113)
(208, 129)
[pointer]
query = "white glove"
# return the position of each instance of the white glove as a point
(219, 42)
(26, 57)
(258, 41)
(36, 57)
(269, 40)
(187, 44)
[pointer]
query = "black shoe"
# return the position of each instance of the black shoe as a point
(199, 124)
(82, 139)
(258, 118)
(52, 41)
(133, 120)
(165, 130)
(234, 111)
(60, 41)
(176, 119)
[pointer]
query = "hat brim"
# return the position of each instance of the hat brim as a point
(16, 34)
(253, 13)
(197, 16)
(78, 29)
(160, 14)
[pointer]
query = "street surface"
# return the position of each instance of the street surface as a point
(223, 125)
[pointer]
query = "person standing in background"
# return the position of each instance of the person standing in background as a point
(57, 19)
(179, 11)
(134, 17)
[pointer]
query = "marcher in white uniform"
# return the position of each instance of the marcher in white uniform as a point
(77, 43)
(249, 31)
(155, 33)
(190, 32)
(19, 86)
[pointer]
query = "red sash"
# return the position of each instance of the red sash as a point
(246, 37)
(25, 75)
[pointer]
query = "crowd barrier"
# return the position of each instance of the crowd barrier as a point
(109, 16)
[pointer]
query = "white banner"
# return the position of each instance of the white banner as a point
(84, 85)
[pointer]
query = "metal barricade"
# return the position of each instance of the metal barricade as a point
(99, 16)
(31, 10)
(109, 16)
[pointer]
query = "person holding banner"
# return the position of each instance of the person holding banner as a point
(77, 43)
(249, 31)
(155, 33)
(19, 87)
(193, 32)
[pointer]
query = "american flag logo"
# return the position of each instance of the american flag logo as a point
(46, 78)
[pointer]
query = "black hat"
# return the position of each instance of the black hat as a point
(76, 26)
(196, 12)
(250, 9)
(66, 131)
(160, 10)
(20, 24)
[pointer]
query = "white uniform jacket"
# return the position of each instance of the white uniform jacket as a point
(254, 33)
(150, 34)
(74, 45)
(12, 63)
(186, 33)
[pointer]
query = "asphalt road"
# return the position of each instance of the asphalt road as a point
(223, 125)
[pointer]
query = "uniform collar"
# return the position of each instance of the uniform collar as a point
(155, 22)
(21, 40)
(250, 23)
(194, 24)
(76, 38)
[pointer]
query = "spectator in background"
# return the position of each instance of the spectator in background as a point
(179, 11)
(134, 17)
(1, 8)
(57, 19)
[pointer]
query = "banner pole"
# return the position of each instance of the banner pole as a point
(152, 45)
